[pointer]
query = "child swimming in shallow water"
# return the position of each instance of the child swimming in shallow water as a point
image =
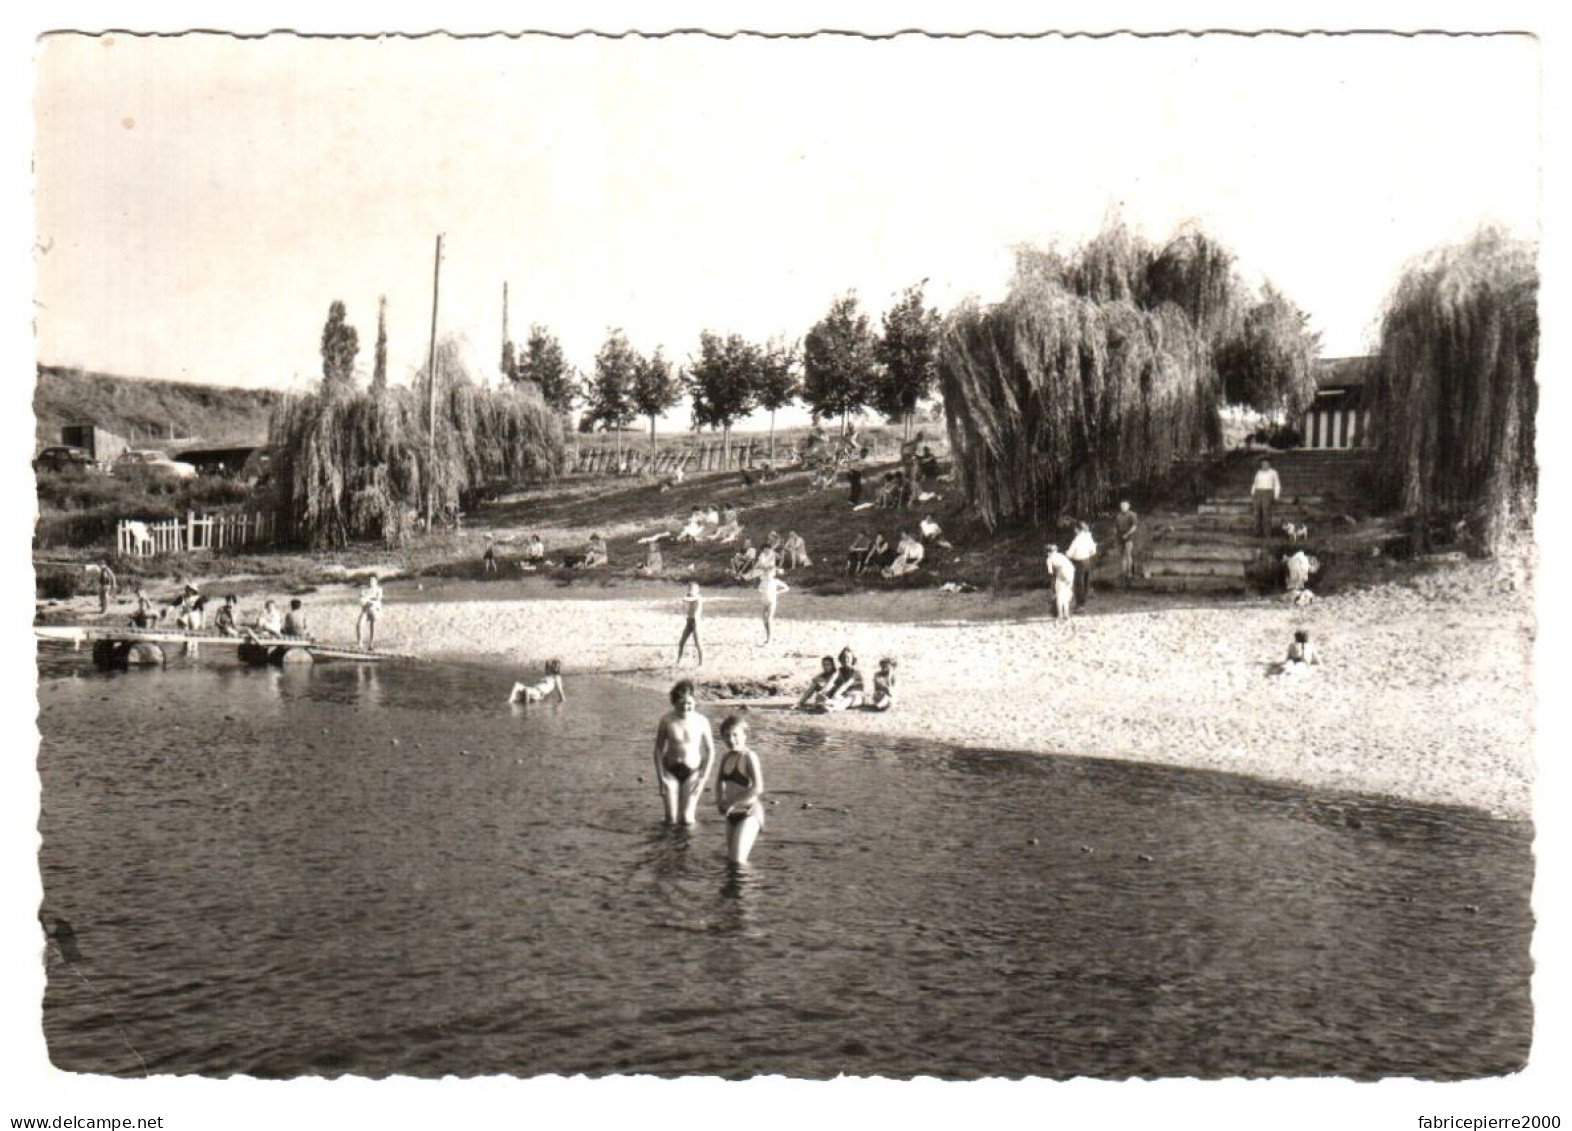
(548, 684)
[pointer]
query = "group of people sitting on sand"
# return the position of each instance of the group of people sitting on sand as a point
(840, 686)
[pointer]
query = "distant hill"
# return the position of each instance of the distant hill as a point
(144, 411)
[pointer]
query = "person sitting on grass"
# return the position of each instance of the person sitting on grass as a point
(227, 620)
(932, 532)
(742, 561)
(794, 552)
(693, 529)
(889, 491)
(652, 562)
(550, 683)
(880, 554)
(883, 686)
(768, 559)
(857, 553)
(596, 556)
(929, 465)
(818, 691)
(908, 557)
(535, 554)
(729, 527)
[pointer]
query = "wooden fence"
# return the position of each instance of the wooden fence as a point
(194, 532)
(707, 455)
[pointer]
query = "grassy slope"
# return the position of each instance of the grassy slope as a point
(133, 406)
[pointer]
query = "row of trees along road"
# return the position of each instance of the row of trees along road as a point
(841, 367)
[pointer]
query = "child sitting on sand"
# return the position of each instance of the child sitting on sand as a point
(1301, 654)
(883, 686)
(548, 684)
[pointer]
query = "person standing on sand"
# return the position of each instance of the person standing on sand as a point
(370, 610)
(739, 790)
(106, 586)
(489, 558)
(770, 589)
(1083, 555)
(1126, 523)
(1265, 490)
(1061, 573)
(684, 751)
(693, 609)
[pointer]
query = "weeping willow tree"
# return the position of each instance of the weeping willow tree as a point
(357, 464)
(1053, 400)
(1101, 368)
(1454, 396)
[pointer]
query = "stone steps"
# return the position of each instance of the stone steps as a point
(1295, 510)
(1186, 549)
(1165, 583)
(1193, 567)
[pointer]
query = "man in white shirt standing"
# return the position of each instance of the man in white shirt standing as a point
(1082, 554)
(1264, 493)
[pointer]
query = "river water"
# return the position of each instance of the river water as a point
(387, 870)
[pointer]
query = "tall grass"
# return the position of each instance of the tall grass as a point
(359, 465)
(1455, 395)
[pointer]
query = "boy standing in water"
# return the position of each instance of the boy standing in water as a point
(370, 610)
(693, 608)
(684, 750)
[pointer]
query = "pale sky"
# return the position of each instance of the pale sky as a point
(201, 201)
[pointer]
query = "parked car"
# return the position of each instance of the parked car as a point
(148, 461)
(63, 457)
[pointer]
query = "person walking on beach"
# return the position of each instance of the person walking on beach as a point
(1265, 490)
(370, 610)
(1083, 555)
(684, 751)
(693, 611)
(739, 790)
(770, 589)
(1126, 523)
(1061, 574)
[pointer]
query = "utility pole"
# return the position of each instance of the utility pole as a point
(431, 376)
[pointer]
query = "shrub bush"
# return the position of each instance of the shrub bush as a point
(58, 583)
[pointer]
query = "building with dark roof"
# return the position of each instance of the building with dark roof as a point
(1339, 417)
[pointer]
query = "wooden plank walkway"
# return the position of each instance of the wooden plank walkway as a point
(85, 634)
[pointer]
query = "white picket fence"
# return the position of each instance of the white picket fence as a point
(134, 538)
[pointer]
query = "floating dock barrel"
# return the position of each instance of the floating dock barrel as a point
(127, 654)
(273, 654)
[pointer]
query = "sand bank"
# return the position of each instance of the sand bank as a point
(1424, 692)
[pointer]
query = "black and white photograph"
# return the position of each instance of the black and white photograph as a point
(676, 555)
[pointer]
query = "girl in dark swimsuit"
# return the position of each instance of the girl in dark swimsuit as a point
(739, 790)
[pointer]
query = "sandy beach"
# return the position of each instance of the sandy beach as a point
(1424, 692)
